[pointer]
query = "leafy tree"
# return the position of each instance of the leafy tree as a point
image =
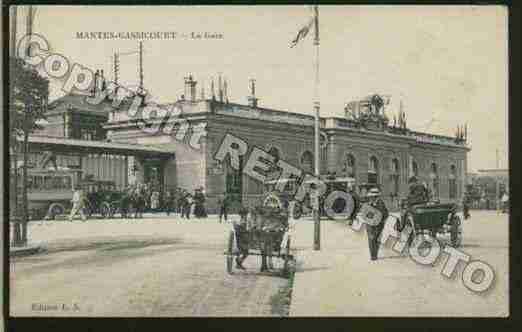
(28, 98)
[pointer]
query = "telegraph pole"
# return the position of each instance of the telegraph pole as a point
(317, 217)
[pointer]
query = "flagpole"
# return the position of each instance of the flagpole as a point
(317, 217)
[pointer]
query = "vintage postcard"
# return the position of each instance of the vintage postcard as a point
(169, 161)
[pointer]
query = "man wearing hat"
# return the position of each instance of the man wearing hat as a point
(418, 192)
(374, 231)
(78, 203)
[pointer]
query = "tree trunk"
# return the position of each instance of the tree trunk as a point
(25, 212)
(15, 213)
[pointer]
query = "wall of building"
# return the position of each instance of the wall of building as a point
(290, 140)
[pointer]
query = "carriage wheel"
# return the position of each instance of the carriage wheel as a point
(456, 232)
(230, 256)
(297, 211)
(55, 209)
(105, 209)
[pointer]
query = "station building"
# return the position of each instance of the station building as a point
(108, 143)
(365, 146)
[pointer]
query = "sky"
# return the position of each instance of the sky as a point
(448, 64)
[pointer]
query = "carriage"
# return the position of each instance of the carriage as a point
(264, 232)
(285, 199)
(431, 218)
(98, 197)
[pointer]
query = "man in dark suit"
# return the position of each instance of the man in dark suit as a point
(374, 231)
(418, 192)
(223, 202)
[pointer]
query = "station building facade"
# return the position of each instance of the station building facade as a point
(366, 146)
(368, 149)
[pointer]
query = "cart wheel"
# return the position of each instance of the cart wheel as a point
(456, 232)
(411, 222)
(287, 256)
(398, 225)
(230, 256)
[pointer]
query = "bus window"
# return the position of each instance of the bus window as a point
(67, 182)
(57, 182)
(37, 185)
(48, 185)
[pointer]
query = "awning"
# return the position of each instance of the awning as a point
(96, 147)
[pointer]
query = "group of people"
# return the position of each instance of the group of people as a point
(183, 202)
(141, 197)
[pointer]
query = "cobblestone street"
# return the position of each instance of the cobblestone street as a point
(148, 267)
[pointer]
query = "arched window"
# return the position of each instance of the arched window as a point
(307, 161)
(453, 182)
(349, 165)
(434, 176)
(274, 152)
(234, 179)
(373, 170)
(395, 175)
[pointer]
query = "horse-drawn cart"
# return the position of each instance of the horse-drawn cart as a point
(264, 232)
(433, 219)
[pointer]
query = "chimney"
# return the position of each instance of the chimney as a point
(190, 88)
(95, 85)
(252, 100)
(220, 89)
(225, 92)
(103, 83)
(212, 90)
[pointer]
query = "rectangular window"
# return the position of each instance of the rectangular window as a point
(372, 178)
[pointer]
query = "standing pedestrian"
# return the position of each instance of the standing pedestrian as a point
(169, 202)
(357, 201)
(223, 201)
(187, 205)
(505, 202)
(466, 201)
(198, 203)
(203, 208)
(155, 201)
(141, 201)
(78, 202)
(374, 230)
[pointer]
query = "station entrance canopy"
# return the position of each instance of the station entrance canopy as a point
(67, 145)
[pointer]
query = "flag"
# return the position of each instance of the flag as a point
(302, 33)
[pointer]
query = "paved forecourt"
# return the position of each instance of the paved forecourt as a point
(153, 267)
(340, 280)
